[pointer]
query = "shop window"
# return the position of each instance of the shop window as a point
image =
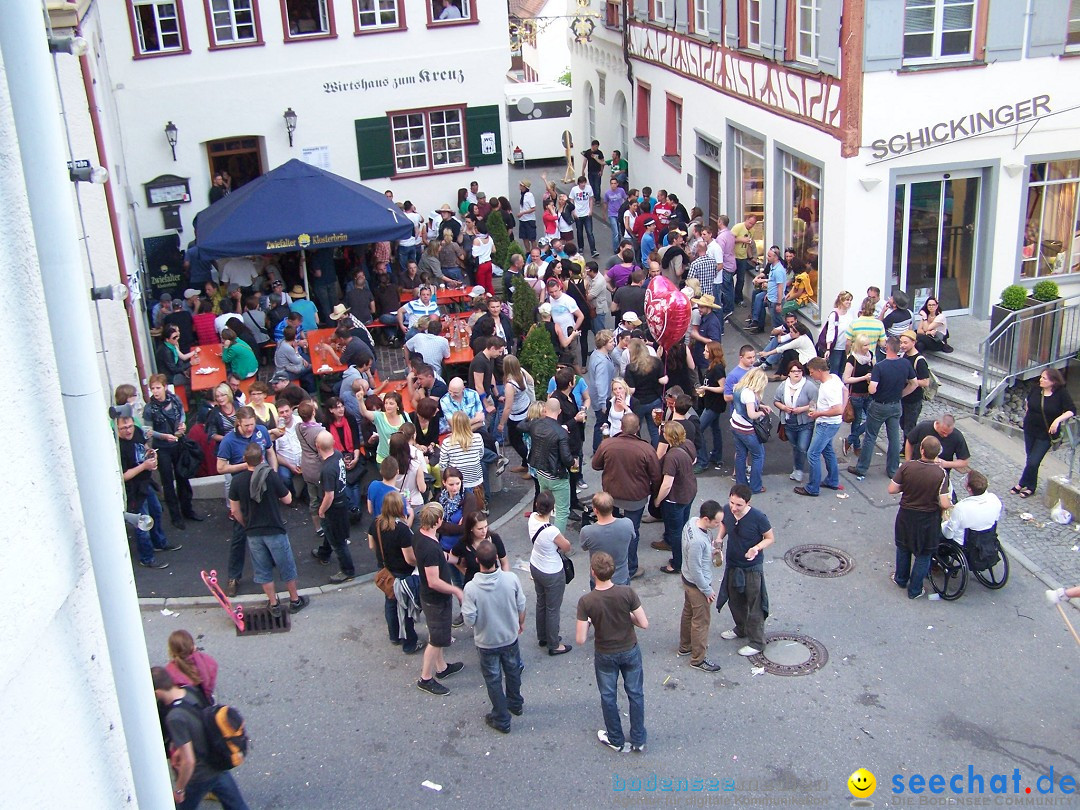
(1051, 244)
(938, 31)
(644, 101)
(379, 15)
(157, 27)
(428, 140)
(450, 12)
(307, 19)
(1072, 41)
(807, 31)
(233, 23)
(673, 132)
(802, 224)
(699, 17)
(749, 190)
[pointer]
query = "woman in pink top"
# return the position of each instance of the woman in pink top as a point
(188, 666)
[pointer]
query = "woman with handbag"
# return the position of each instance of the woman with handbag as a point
(388, 535)
(746, 410)
(346, 433)
(857, 370)
(1048, 406)
(831, 342)
(166, 425)
(547, 565)
(793, 399)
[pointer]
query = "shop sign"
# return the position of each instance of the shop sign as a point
(969, 125)
(421, 77)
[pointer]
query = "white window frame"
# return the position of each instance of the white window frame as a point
(435, 9)
(1072, 255)
(429, 137)
(659, 10)
(590, 111)
(157, 6)
(377, 10)
(1074, 26)
(701, 16)
(753, 24)
(807, 27)
(742, 149)
(938, 31)
(324, 31)
(230, 24)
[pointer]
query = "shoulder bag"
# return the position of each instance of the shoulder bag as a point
(567, 563)
(384, 580)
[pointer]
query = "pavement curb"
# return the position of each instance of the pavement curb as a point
(160, 603)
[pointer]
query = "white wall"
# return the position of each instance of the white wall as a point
(63, 744)
(603, 54)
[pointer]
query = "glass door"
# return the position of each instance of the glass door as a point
(935, 230)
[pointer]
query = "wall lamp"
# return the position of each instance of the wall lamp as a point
(89, 174)
(170, 133)
(290, 123)
(76, 46)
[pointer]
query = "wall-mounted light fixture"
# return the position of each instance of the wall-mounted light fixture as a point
(89, 174)
(1013, 169)
(170, 134)
(290, 123)
(869, 182)
(76, 46)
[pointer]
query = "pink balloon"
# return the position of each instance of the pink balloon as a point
(667, 312)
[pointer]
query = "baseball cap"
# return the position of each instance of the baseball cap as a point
(631, 317)
(477, 291)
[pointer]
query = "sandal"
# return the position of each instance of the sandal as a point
(1016, 490)
(1025, 493)
(667, 569)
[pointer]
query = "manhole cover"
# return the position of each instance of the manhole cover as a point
(791, 654)
(816, 560)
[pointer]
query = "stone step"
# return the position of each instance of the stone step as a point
(961, 396)
(958, 375)
(966, 359)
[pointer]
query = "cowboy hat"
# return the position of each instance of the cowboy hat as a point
(338, 312)
(707, 301)
(444, 209)
(297, 292)
(526, 183)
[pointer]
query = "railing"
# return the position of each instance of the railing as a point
(1027, 341)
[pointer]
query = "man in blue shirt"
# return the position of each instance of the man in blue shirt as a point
(306, 309)
(891, 380)
(230, 460)
(774, 294)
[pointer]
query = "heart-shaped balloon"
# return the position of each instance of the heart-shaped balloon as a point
(667, 312)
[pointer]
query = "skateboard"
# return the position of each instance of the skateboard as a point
(234, 613)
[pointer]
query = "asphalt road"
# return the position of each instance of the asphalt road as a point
(909, 688)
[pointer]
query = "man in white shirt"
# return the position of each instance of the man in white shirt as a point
(429, 344)
(416, 309)
(827, 416)
(287, 447)
(979, 512)
(239, 270)
(409, 249)
(581, 196)
(527, 215)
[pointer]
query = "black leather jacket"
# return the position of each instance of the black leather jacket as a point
(550, 453)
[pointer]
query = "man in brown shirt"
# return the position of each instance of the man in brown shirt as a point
(923, 486)
(678, 488)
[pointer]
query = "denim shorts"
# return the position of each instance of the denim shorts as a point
(268, 550)
(438, 618)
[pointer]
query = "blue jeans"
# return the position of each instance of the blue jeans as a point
(858, 427)
(1036, 447)
(822, 445)
(911, 575)
(644, 413)
(635, 516)
(584, 224)
(747, 444)
(608, 667)
(836, 361)
(777, 317)
(878, 414)
(223, 786)
(408, 253)
(675, 517)
(498, 663)
(268, 551)
(146, 542)
(394, 627)
(727, 292)
(392, 328)
(798, 437)
(711, 419)
(757, 308)
(616, 232)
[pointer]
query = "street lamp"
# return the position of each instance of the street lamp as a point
(290, 123)
(170, 133)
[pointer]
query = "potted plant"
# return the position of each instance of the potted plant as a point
(1044, 333)
(1013, 299)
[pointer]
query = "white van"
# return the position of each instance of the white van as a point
(537, 116)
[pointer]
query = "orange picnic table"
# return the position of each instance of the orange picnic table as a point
(321, 361)
(401, 387)
(442, 297)
(210, 358)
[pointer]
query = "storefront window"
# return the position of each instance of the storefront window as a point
(802, 224)
(749, 182)
(1052, 220)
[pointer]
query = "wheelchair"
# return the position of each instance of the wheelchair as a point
(981, 556)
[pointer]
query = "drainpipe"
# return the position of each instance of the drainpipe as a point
(114, 222)
(36, 111)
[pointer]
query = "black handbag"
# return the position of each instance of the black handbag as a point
(189, 458)
(763, 427)
(567, 563)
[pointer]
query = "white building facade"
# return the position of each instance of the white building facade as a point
(935, 152)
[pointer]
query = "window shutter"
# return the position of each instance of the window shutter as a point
(829, 42)
(374, 147)
(1049, 24)
(731, 24)
(768, 30)
(641, 10)
(1005, 32)
(884, 41)
(716, 20)
(676, 14)
(479, 120)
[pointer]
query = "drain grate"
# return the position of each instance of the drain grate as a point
(791, 654)
(816, 560)
(260, 620)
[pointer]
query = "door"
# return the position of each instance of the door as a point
(240, 157)
(935, 238)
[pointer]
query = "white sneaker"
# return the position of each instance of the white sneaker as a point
(748, 651)
(797, 476)
(729, 635)
(602, 736)
(1054, 597)
(582, 485)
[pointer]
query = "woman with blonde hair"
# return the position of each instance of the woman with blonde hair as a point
(190, 667)
(746, 407)
(835, 327)
(222, 417)
(643, 376)
(464, 450)
(857, 369)
(618, 405)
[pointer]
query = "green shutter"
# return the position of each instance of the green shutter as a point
(374, 147)
(479, 120)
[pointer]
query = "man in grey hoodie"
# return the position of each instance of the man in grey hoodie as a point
(494, 606)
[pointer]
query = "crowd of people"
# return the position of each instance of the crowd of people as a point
(420, 478)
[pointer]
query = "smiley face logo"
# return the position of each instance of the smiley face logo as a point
(862, 784)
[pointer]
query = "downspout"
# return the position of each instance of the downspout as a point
(36, 111)
(114, 222)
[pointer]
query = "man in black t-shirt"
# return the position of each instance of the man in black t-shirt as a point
(747, 532)
(436, 597)
(482, 376)
(954, 453)
(334, 509)
(254, 494)
(891, 380)
(912, 402)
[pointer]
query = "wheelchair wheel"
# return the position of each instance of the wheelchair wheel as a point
(949, 571)
(996, 576)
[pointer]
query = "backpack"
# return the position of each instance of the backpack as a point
(931, 390)
(226, 740)
(188, 458)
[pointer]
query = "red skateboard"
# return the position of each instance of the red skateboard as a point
(234, 613)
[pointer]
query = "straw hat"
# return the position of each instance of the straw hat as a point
(526, 183)
(444, 208)
(297, 292)
(707, 301)
(339, 312)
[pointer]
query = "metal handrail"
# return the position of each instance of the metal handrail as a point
(1027, 341)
